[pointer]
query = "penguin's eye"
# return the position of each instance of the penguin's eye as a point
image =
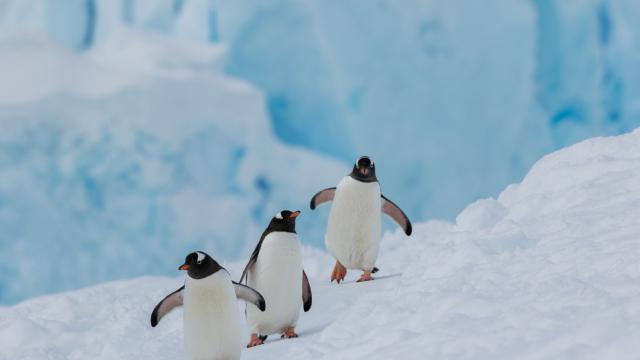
(371, 165)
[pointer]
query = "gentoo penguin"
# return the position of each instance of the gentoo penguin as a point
(353, 230)
(211, 317)
(275, 270)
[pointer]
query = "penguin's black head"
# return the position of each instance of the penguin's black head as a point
(364, 170)
(285, 221)
(199, 265)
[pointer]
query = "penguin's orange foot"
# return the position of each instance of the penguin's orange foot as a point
(255, 341)
(289, 333)
(339, 272)
(366, 276)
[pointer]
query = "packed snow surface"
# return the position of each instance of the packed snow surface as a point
(548, 270)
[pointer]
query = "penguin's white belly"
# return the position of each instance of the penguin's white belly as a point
(211, 319)
(277, 275)
(353, 230)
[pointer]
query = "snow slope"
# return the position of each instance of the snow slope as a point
(549, 269)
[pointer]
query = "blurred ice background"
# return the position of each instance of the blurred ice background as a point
(134, 131)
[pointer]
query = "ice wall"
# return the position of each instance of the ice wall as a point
(457, 98)
(110, 172)
(454, 100)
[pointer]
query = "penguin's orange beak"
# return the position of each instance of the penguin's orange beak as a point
(294, 214)
(184, 267)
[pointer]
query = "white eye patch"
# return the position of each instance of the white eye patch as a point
(201, 256)
(278, 216)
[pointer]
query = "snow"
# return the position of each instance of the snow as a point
(547, 270)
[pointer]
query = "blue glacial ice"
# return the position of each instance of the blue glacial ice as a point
(110, 172)
(133, 131)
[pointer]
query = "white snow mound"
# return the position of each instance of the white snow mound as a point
(548, 270)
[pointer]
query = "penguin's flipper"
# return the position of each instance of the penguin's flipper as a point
(391, 209)
(252, 260)
(322, 197)
(167, 304)
(306, 292)
(249, 295)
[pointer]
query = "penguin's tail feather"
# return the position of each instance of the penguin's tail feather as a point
(375, 270)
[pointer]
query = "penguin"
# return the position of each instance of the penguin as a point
(354, 226)
(275, 270)
(212, 322)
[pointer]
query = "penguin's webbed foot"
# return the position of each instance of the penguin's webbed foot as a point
(366, 276)
(339, 272)
(256, 340)
(289, 333)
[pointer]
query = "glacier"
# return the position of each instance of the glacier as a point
(110, 171)
(132, 129)
(456, 99)
(546, 270)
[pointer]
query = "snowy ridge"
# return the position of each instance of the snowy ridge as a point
(548, 270)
